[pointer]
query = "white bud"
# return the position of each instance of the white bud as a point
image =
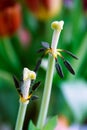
(28, 75)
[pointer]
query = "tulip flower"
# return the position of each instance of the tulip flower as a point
(10, 17)
(44, 9)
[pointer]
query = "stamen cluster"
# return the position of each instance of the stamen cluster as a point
(26, 87)
(46, 49)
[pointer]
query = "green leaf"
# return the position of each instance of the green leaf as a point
(51, 124)
(5, 77)
(32, 126)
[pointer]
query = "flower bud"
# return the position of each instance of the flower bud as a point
(44, 9)
(10, 17)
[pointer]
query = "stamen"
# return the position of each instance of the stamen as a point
(68, 52)
(52, 52)
(59, 54)
(22, 99)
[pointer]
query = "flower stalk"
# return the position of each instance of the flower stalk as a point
(24, 96)
(57, 27)
(21, 115)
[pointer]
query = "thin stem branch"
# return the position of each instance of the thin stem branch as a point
(47, 93)
(21, 115)
(49, 76)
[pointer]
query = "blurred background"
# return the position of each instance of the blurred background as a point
(23, 25)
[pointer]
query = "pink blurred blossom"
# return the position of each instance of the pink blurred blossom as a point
(25, 37)
(62, 123)
(61, 127)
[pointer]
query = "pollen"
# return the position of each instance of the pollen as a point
(32, 75)
(57, 25)
(28, 74)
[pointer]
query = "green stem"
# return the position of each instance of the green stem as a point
(21, 115)
(48, 82)
(47, 93)
(11, 55)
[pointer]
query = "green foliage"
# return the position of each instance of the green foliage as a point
(32, 126)
(51, 124)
